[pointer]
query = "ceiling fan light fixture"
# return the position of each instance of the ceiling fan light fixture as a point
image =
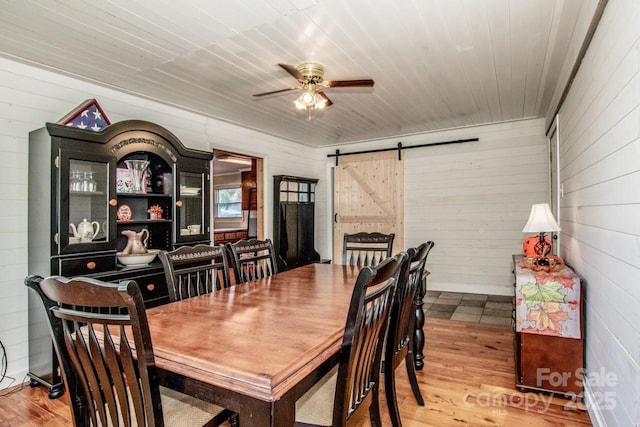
(299, 104)
(308, 98)
(310, 76)
(320, 103)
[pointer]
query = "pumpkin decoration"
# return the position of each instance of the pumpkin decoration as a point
(538, 255)
(550, 263)
(529, 246)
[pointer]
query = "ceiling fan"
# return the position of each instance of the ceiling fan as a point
(311, 78)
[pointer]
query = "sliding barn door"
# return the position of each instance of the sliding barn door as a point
(368, 196)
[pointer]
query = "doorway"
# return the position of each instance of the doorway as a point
(237, 199)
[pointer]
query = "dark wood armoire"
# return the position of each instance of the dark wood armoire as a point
(293, 221)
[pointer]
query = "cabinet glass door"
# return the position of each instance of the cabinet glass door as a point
(190, 212)
(86, 211)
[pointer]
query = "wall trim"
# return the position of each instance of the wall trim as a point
(593, 407)
(468, 288)
(583, 51)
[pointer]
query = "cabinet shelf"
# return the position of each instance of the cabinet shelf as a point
(143, 195)
(86, 193)
(144, 221)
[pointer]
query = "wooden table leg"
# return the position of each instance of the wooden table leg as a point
(284, 411)
(256, 413)
(251, 411)
(418, 337)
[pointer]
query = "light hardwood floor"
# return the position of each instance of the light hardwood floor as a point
(468, 380)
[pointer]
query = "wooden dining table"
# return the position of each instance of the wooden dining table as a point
(255, 348)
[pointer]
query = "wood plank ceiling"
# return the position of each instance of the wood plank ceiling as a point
(437, 64)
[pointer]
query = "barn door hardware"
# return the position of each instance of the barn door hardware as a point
(400, 147)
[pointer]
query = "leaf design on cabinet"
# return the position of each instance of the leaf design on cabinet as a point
(565, 281)
(535, 294)
(548, 317)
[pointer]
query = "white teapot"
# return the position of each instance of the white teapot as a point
(85, 230)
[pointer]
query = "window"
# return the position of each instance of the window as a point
(229, 202)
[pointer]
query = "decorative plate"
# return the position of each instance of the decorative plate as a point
(124, 213)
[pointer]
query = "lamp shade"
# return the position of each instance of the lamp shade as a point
(541, 220)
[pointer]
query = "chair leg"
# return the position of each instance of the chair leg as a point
(390, 393)
(411, 373)
(374, 408)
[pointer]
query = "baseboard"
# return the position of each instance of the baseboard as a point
(469, 288)
(13, 379)
(593, 407)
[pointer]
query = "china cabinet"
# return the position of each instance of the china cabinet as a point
(86, 188)
(294, 221)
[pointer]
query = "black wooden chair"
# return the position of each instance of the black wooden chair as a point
(195, 270)
(336, 397)
(418, 338)
(399, 343)
(252, 259)
(107, 385)
(366, 249)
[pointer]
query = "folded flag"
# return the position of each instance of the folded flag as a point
(87, 115)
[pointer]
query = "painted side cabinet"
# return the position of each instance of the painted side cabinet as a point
(548, 321)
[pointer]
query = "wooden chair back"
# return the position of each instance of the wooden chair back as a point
(402, 320)
(195, 270)
(107, 385)
(366, 249)
(361, 352)
(399, 343)
(252, 259)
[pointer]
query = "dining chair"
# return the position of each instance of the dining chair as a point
(252, 259)
(418, 337)
(195, 270)
(108, 384)
(399, 342)
(336, 397)
(366, 249)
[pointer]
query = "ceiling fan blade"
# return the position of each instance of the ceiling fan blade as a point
(291, 70)
(348, 83)
(326, 98)
(275, 91)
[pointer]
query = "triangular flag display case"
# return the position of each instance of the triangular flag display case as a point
(88, 115)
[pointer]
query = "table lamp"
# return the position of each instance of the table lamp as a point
(541, 221)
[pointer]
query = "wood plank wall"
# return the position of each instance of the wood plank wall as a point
(472, 199)
(599, 128)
